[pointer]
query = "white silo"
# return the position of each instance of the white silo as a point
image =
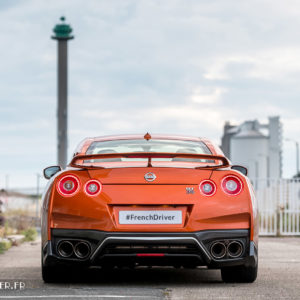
(250, 148)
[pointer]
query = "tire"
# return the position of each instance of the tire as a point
(239, 274)
(62, 273)
(51, 274)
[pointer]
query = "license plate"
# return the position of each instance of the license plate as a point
(150, 217)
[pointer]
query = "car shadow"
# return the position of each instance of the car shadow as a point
(143, 276)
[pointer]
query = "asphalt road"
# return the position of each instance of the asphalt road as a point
(278, 278)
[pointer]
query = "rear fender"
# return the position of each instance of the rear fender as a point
(247, 197)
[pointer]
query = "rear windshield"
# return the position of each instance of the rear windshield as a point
(142, 145)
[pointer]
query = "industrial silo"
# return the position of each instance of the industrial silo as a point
(250, 148)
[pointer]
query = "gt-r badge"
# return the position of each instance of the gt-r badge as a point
(189, 190)
(150, 176)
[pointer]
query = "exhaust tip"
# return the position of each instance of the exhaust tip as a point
(82, 250)
(218, 250)
(65, 249)
(235, 249)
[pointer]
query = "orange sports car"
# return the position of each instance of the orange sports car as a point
(149, 200)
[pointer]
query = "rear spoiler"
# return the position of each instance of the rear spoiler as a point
(78, 160)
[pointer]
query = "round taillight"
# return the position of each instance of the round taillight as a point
(232, 185)
(207, 187)
(93, 187)
(68, 185)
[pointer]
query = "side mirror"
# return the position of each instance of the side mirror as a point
(241, 169)
(50, 171)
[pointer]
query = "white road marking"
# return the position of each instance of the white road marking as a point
(72, 296)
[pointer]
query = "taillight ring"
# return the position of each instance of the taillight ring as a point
(214, 187)
(62, 180)
(234, 178)
(98, 183)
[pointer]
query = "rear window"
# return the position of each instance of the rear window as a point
(142, 145)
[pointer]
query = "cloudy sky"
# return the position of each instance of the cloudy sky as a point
(168, 66)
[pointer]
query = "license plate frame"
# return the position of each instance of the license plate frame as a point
(150, 217)
(153, 209)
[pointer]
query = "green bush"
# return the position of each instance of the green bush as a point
(4, 245)
(30, 234)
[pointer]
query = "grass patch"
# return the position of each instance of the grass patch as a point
(30, 234)
(20, 219)
(4, 245)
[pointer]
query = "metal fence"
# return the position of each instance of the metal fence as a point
(279, 206)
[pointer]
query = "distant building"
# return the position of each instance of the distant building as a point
(3, 199)
(10, 200)
(256, 146)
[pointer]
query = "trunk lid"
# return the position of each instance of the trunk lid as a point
(156, 176)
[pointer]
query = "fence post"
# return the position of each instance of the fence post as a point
(37, 224)
(278, 198)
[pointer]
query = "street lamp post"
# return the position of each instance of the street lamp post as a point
(62, 35)
(297, 153)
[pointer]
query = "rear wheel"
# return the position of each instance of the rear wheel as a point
(239, 274)
(51, 274)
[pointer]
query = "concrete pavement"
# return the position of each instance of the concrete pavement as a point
(278, 278)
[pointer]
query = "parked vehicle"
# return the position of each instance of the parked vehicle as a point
(142, 200)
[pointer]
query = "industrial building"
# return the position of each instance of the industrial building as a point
(255, 145)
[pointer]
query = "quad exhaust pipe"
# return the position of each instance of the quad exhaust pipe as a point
(220, 249)
(235, 249)
(65, 249)
(80, 249)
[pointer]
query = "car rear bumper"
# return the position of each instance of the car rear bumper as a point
(149, 249)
